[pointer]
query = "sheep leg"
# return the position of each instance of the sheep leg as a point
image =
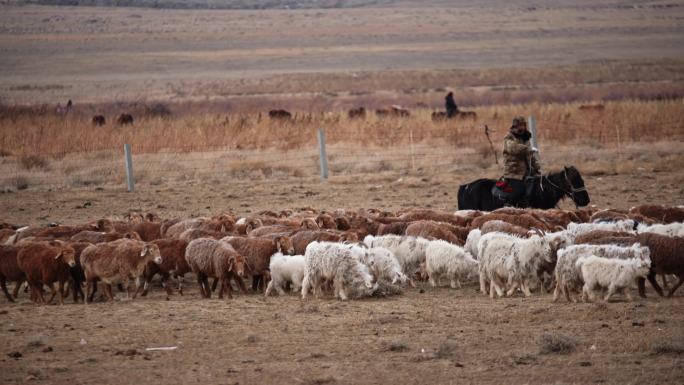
(526, 288)
(652, 279)
(166, 282)
(491, 289)
(61, 293)
(585, 293)
(664, 278)
(4, 289)
(180, 279)
(431, 278)
(483, 283)
(138, 286)
(53, 292)
(37, 293)
(240, 283)
(556, 292)
(108, 292)
(15, 293)
(305, 286)
(611, 291)
(676, 286)
(214, 284)
(627, 294)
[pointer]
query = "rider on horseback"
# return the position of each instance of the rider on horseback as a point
(521, 163)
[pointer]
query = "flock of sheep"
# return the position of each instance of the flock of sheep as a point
(353, 254)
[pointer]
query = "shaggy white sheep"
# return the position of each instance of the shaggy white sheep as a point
(471, 242)
(386, 267)
(284, 269)
(569, 277)
(674, 229)
(337, 263)
(443, 258)
(507, 261)
(409, 251)
(612, 274)
(575, 229)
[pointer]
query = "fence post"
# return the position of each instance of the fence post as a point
(128, 159)
(321, 153)
(413, 158)
(532, 124)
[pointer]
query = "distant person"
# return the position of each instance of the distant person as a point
(68, 106)
(521, 163)
(451, 107)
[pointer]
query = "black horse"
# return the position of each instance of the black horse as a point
(548, 190)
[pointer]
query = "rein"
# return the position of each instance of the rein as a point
(573, 189)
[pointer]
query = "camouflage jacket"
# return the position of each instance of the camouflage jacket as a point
(517, 155)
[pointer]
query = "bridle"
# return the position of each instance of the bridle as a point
(573, 189)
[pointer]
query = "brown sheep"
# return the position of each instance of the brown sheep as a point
(45, 263)
(505, 227)
(306, 224)
(192, 234)
(258, 252)
(660, 213)
(57, 232)
(522, 220)
(77, 275)
(124, 119)
(117, 261)
(326, 221)
(209, 258)
(10, 271)
(173, 263)
(248, 225)
(301, 239)
(6, 234)
(148, 231)
(434, 215)
(166, 223)
(109, 225)
(433, 230)
(222, 223)
(666, 258)
(396, 228)
(356, 113)
(99, 236)
(599, 234)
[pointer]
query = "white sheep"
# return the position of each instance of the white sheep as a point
(284, 269)
(335, 262)
(575, 229)
(471, 242)
(612, 274)
(386, 267)
(507, 261)
(674, 229)
(569, 277)
(444, 258)
(409, 251)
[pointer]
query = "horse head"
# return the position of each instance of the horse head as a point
(575, 186)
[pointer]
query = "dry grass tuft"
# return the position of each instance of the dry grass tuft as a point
(667, 347)
(31, 162)
(395, 346)
(557, 343)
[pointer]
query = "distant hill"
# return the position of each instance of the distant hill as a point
(217, 4)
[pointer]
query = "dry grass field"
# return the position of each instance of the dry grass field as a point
(219, 71)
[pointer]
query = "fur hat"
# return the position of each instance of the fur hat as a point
(517, 120)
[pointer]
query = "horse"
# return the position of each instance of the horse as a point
(548, 190)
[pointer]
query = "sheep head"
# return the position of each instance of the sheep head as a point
(284, 245)
(151, 253)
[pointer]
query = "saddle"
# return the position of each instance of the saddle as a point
(502, 191)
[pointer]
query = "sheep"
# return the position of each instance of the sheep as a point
(396, 228)
(522, 220)
(117, 262)
(301, 239)
(192, 234)
(173, 263)
(306, 224)
(433, 215)
(673, 229)
(409, 251)
(509, 261)
(505, 227)
(433, 230)
(148, 231)
(386, 267)
(335, 262)
(100, 236)
(598, 234)
(222, 223)
(471, 242)
(257, 253)
(326, 221)
(77, 274)
(666, 258)
(444, 258)
(576, 229)
(10, 271)
(209, 258)
(613, 274)
(45, 263)
(569, 278)
(660, 213)
(284, 269)
(6, 234)
(245, 225)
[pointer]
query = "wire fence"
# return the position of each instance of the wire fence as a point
(350, 151)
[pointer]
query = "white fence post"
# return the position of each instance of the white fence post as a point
(128, 159)
(532, 124)
(321, 153)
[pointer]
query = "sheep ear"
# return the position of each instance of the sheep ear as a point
(223, 228)
(279, 247)
(144, 251)
(60, 254)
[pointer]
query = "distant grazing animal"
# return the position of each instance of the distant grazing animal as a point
(466, 115)
(280, 114)
(439, 116)
(357, 113)
(394, 111)
(99, 120)
(124, 119)
(592, 107)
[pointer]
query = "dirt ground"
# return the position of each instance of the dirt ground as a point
(435, 336)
